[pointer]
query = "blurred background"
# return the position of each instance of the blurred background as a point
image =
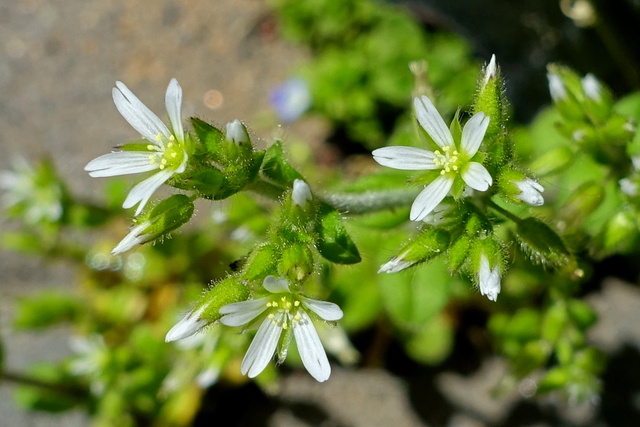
(59, 61)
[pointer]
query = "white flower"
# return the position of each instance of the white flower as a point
(301, 193)
(453, 161)
(530, 192)
(282, 310)
(165, 154)
(489, 279)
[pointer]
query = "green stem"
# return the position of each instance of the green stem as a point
(503, 211)
(66, 390)
(370, 201)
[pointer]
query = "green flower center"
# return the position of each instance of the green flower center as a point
(284, 311)
(448, 160)
(168, 153)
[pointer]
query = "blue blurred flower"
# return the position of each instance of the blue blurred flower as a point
(291, 99)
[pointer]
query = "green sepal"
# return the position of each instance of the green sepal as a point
(228, 291)
(276, 168)
(334, 242)
(541, 243)
(137, 145)
(423, 247)
(458, 252)
(261, 262)
(296, 263)
(210, 137)
(207, 182)
(167, 215)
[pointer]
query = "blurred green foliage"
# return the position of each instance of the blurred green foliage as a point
(359, 76)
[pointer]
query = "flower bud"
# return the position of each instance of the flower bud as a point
(487, 266)
(168, 215)
(236, 132)
(207, 309)
(301, 193)
(566, 91)
(519, 188)
(424, 247)
(490, 98)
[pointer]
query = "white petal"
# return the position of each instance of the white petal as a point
(275, 286)
(473, 132)
(143, 191)
(187, 326)
(120, 163)
(430, 197)
(301, 193)
(261, 349)
(137, 114)
(432, 122)
(173, 103)
(404, 158)
(326, 310)
(241, 313)
(310, 348)
(489, 279)
(477, 176)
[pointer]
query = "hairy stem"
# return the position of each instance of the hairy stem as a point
(370, 201)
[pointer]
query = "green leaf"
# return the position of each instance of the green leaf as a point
(46, 309)
(554, 379)
(276, 168)
(334, 242)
